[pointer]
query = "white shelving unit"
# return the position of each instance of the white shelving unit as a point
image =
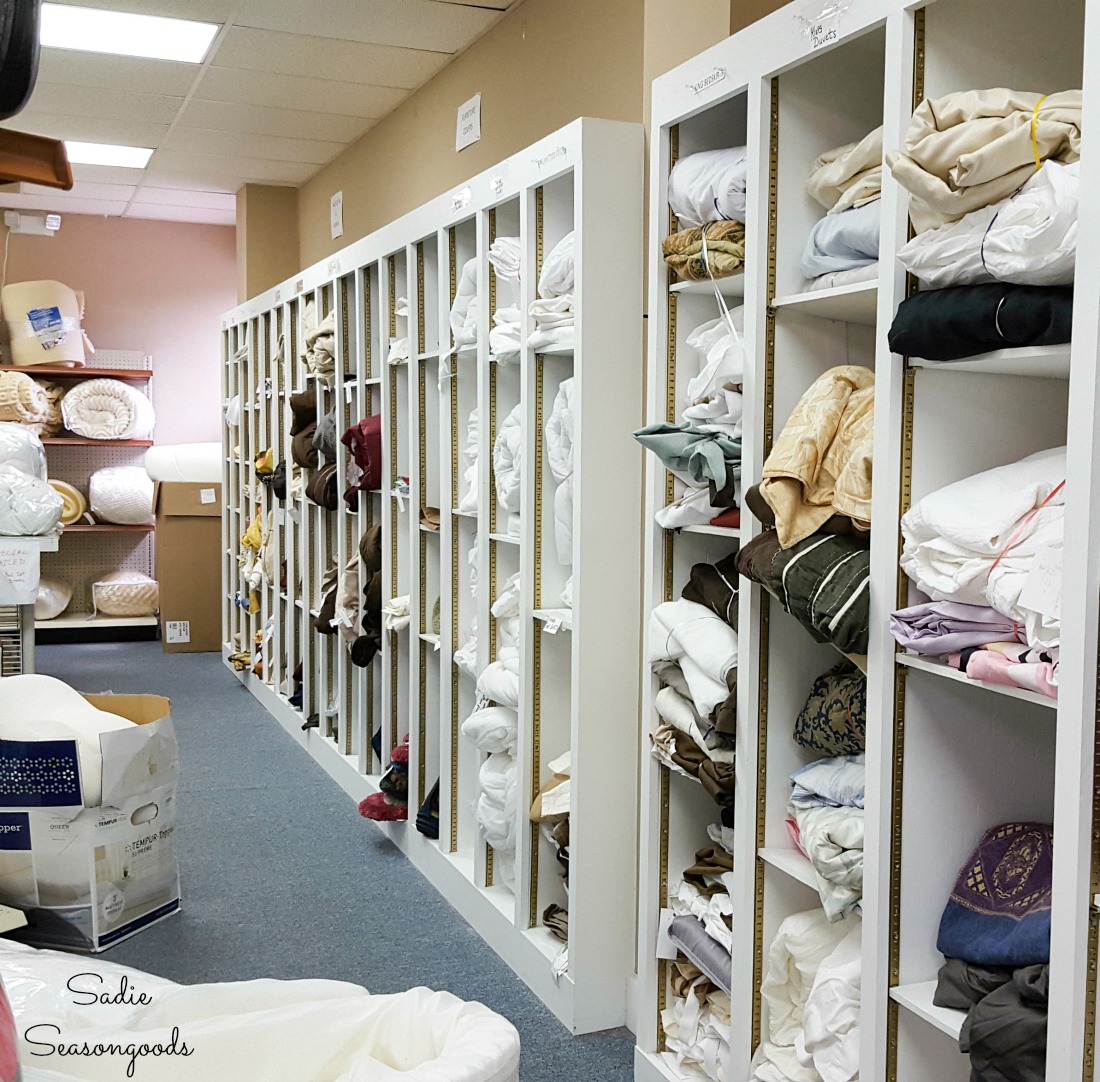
(947, 757)
(586, 178)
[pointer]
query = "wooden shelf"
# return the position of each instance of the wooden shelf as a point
(108, 527)
(56, 371)
(80, 441)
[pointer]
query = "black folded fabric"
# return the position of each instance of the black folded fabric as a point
(278, 481)
(427, 818)
(964, 321)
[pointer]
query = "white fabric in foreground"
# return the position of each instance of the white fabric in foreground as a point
(188, 462)
(709, 187)
(262, 1030)
(955, 535)
(830, 1035)
(35, 707)
(21, 449)
(559, 455)
(28, 507)
(108, 409)
(122, 495)
(1030, 238)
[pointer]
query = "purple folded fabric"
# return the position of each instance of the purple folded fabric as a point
(946, 627)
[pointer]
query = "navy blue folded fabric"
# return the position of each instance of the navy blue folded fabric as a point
(999, 912)
(964, 321)
(427, 818)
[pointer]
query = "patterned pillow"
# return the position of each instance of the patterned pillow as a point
(834, 719)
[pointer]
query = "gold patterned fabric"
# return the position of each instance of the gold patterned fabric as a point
(821, 462)
(725, 244)
(53, 423)
(21, 399)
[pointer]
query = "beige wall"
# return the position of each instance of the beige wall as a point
(267, 237)
(158, 287)
(544, 64)
(744, 12)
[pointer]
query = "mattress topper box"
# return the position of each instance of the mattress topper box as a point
(88, 878)
(189, 565)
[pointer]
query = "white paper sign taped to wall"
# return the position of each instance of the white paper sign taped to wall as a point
(468, 128)
(18, 573)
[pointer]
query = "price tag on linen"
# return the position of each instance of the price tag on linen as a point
(18, 573)
(1042, 590)
(666, 949)
(553, 627)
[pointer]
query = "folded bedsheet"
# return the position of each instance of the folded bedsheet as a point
(848, 176)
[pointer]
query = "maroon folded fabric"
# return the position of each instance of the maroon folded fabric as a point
(364, 441)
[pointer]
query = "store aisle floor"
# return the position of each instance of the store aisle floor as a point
(281, 878)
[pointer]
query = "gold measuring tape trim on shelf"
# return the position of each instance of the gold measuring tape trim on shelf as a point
(421, 340)
(345, 349)
(488, 865)
(539, 239)
(368, 324)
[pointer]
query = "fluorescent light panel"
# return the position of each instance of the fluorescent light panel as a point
(93, 30)
(107, 154)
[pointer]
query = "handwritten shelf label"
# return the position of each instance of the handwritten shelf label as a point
(707, 81)
(18, 573)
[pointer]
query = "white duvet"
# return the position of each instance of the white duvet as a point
(559, 456)
(108, 409)
(261, 1030)
(703, 644)
(508, 467)
(1030, 238)
(499, 681)
(709, 187)
(497, 807)
(953, 538)
(492, 728)
(21, 449)
(715, 402)
(29, 507)
(463, 317)
(505, 612)
(471, 454)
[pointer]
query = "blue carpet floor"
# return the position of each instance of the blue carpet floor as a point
(281, 878)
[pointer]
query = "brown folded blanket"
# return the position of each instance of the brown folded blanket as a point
(303, 407)
(321, 487)
(725, 251)
(301, 447)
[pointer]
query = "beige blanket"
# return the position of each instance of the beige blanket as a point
(967, 150)
(848, 176)
(821, 462)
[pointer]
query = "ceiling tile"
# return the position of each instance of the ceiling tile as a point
(410, 24)
(178, 197)
(230, 144)
(63, 203)
(61, 99)
(352, 61)
(129, 73)
(184, 180)
(298, 92)
(197, 215)
(227, 168)
(260, 120)
(91, 190)
(107, 174)
(209, 11)
(90, 129)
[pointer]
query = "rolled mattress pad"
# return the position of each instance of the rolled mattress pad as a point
(188, 462)
(43, 321)
(108, 409)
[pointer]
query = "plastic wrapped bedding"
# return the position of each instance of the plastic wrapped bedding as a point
(122, 495)
(1030, 238)
(53, 598)
(22, 400)
(471, 454)
(125, 593)
(21, 449)
(56, 339)
(262, 1030)
(709, 187)
(843, 242)
(464, 309)
(191, 462)
(29, 507)
(508, 466)
(35, 707)
(492, 728)
(559, 455)
(108, 409)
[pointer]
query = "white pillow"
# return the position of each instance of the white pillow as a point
(126, 593)
(121, 494)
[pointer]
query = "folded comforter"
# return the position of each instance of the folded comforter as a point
(974, 541)
(709, 186)
(558, 269)
(964, 321)
(945, 627)
(703, 644)
(843, 242)
(969, 149)
(697, 456)
(820, 464)
(711, 251)
(1030, 238)
(822, 582)
(508, 467)
(463, 318)
(108, 409)
(833, 840)
(688, 933)
(1010, 664)
(848, 176)
(833, 720)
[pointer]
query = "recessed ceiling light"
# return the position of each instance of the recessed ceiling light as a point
(107, 154)
(93, 30)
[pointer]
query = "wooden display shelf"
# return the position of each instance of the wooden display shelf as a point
(80, 441)
(108, 527)
(57, 371)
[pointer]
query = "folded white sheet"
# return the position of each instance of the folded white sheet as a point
(704, 645)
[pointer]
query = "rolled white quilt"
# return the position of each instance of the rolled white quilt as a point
(108, 409)
(122, 495)
(189, 462)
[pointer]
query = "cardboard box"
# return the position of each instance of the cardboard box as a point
(189, 566)
(87, 878)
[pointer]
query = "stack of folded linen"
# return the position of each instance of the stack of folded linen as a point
(552, 311)
(504, 338)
